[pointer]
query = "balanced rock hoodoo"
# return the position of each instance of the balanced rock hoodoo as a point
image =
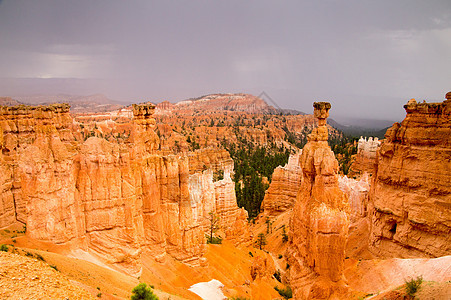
(319, 224)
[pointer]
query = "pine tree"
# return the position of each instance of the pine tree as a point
(261, 241)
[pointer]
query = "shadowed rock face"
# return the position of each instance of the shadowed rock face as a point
(319, 225)
(410, 195)
(114, 199)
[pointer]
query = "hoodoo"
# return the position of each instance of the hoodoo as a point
(118, 200)
(319, 224)
(282, 192)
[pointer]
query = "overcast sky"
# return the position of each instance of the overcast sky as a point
(366, 57)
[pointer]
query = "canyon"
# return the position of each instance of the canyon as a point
(135, 190)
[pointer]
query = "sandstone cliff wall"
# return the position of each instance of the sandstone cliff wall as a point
(24, 131)
(411, 192)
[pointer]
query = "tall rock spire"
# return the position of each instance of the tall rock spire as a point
(319, 224)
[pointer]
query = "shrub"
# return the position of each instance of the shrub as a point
(4, 248)
(99, 295)
(280, 256)
(143, 292)
(286, 292)
(413, 286)
(261, 241)
(277, 276)
(54, 267)
(284, 234)
(214, 240)
(39, 256)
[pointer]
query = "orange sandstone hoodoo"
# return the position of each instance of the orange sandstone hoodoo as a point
(319, 224)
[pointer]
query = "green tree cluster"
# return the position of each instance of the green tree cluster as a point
(143, 292)
(252, 164)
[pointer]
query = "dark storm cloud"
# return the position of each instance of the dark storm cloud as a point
(366, 57)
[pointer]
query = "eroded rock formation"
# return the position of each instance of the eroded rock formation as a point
(358, 194)
(319, 224)
(282, 192)
(411, 192)
(233, 220)
(117, 199)
(226, 102)
(365, 160)
(27, 134)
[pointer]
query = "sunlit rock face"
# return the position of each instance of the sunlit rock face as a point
(410, 196)
(117, 200)
(25, 132)
(319, 224)
(282, 192)
(233, 220)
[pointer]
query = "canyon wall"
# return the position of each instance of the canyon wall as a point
(319, 224)
(117, 199)
(24, 132)
(410, 196)
(282, 192)
(365, 160)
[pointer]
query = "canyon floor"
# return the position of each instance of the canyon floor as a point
(33, 269)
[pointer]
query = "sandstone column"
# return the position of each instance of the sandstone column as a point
(319, 225)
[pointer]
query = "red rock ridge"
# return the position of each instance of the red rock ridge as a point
(226, 102)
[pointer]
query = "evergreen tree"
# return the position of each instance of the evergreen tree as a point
(261, 241)
(143, 292)
(214, 226)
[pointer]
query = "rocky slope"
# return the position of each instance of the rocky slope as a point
(319, 224)
(27, 278)
(411, 192)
